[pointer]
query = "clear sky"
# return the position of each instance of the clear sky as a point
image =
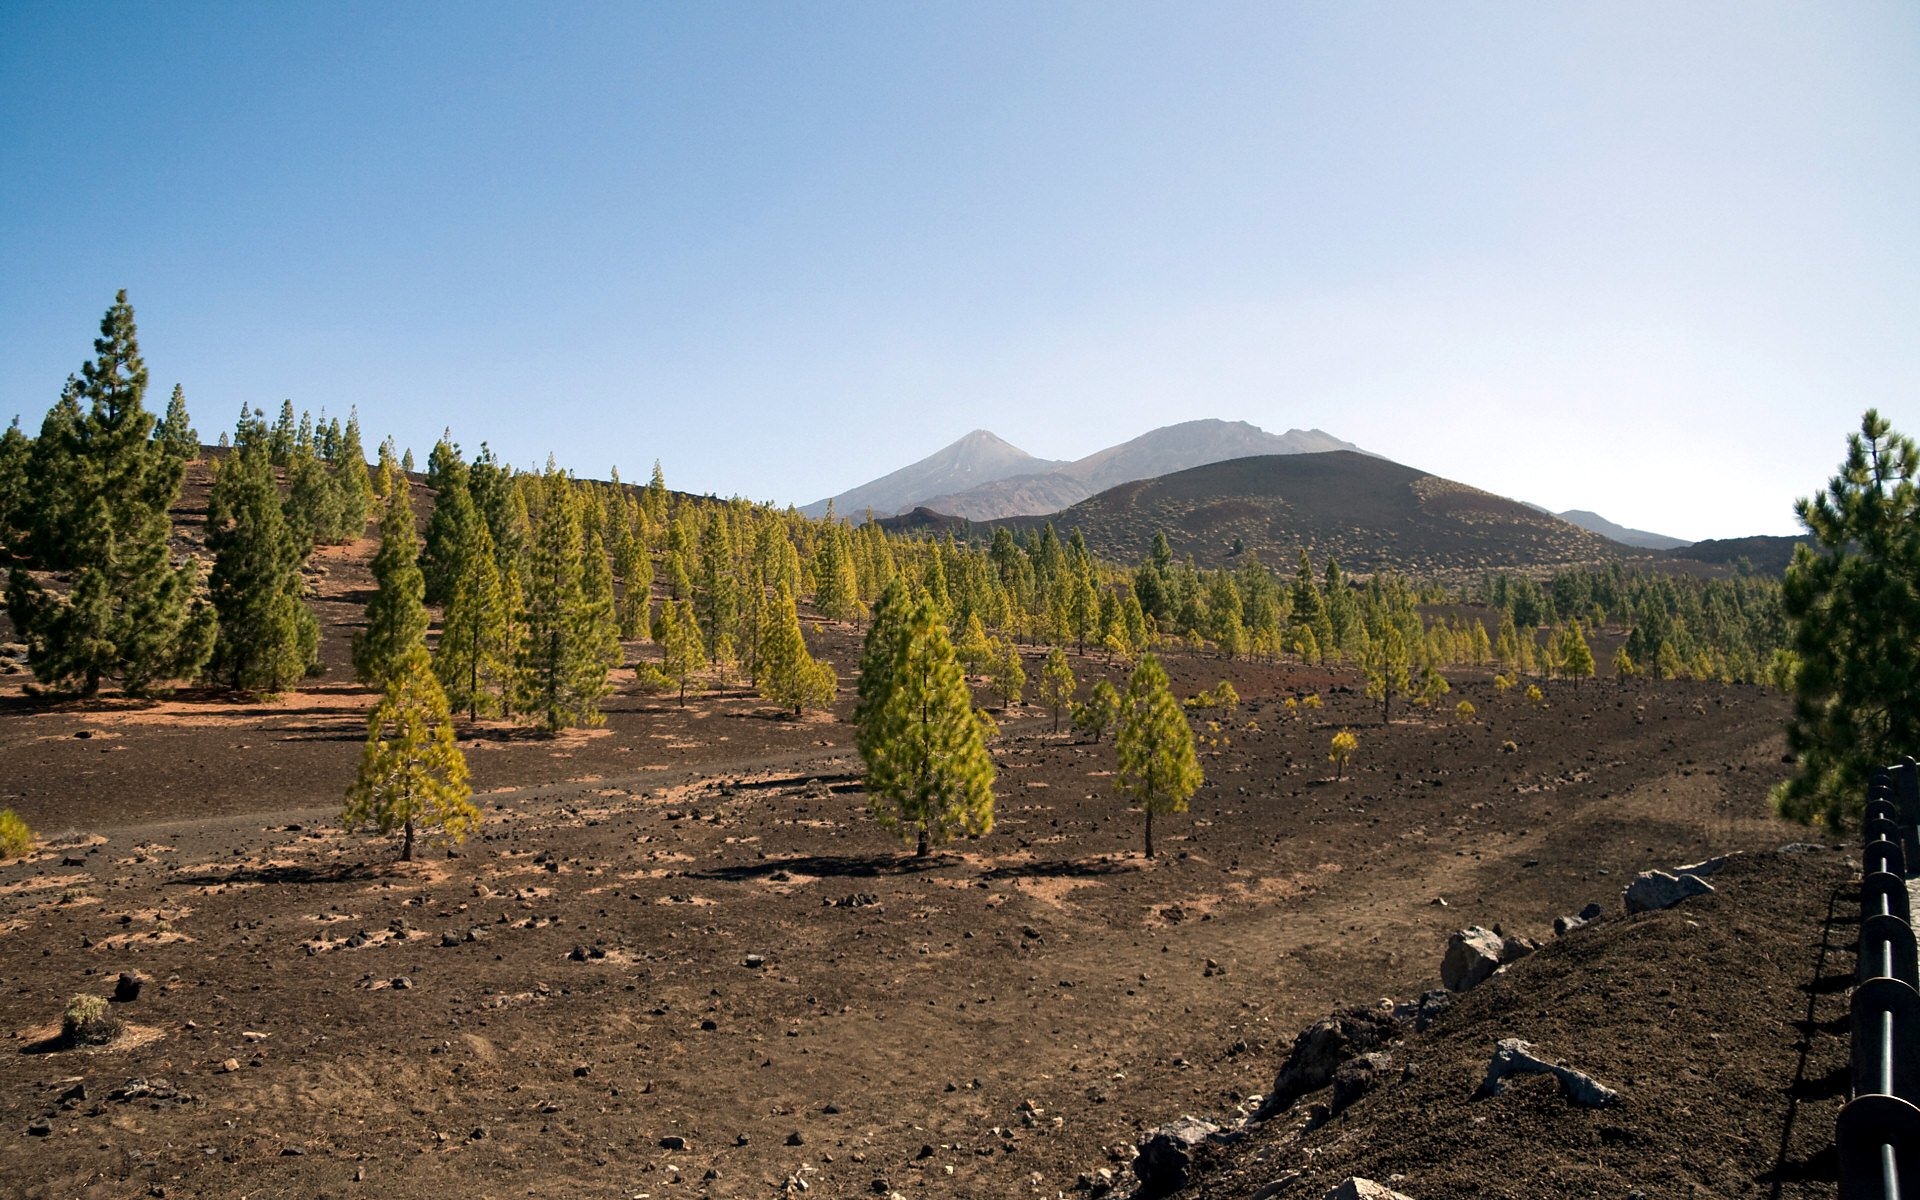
(1652, 260)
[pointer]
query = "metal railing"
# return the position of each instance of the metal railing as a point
(1879, 1129)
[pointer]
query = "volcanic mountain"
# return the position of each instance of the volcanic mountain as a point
(1367, 511)
(980, 477)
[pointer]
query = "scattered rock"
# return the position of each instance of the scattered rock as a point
(1165, 1162)
(1320, 1048)
(229, 1066)
(796, 1138)
(1427, 1009)
(1515, 948)
(673, 1141)
(1276, 1187)
(126, 989)
(39, 1127)
(1355, 1188)
(401, 983)
(1654, 890)
(1473, 955)
(756, 961)
(1586, 916)
(1511, 1056)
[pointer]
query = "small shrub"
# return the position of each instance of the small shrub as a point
(89, 1021)
(15, 838)
(1533, 694)
(1501, 683)
(1344, 744)
(1312, 701)
(652, 680)
(1464, 710)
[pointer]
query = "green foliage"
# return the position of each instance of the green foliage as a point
(1098, 714)
(479, 635)
(1576, 657)
(89, 1021)
(564, 656)
(412, 776)
(928, 771)
(92, 496)
(1465, 710)
(396, 617)
(1157, 767)
(789, 676)
(1340, 752)
(679, 637)
(1057, 684)
(176, 434)
(1853, 600)
(16, 839)
(267, 636)
(1006, 677)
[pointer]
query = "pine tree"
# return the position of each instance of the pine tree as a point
(1006, 677)
(635, 569)
(717, 591)
(16, 451)
(1387, 664)
(600, 625)
(313, 501)
(396, 617)
(449, 527)
(564, 672)
(1157, 766)
(350, 472)
(928, 771)
(101, 488)
(788, 674)
(1057, 684)
(1852, 602)
(281, 437)
(878, 654)
(1575, 655)
(680, 648)
(268, 638)
(412, 776)
(176, 434)
(477, 650)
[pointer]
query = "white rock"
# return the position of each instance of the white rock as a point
(1652, 890)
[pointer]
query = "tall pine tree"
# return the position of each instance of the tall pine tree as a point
(397, 616)
(412, 775)
(1157, 768)
(101, 489)
(563, 668)
(928, 771)
(268, 637)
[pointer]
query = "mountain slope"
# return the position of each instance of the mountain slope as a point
(1369, 512)
(1054, 486)
(980, 457)
(1620, 533)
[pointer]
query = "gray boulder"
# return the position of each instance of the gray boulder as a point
(1565, 925)
(1164, 1163)
(1654, 890)
(1511, 1056)
(1473, 955)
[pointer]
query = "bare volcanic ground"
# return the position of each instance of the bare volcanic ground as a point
(681, 959)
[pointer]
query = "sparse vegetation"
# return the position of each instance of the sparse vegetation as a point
(16, 840)
(89, 1021)
(1340, 751)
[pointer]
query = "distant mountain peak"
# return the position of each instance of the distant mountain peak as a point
(981, 476)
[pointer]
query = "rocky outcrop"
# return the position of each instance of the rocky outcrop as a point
(1654, 890)
(1164, 1163)
(1473, 955)
(1321, 1047)
(1511, 1056)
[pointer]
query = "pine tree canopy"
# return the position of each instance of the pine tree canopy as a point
(412, 776)
(928, 771)
(1157, 769)
(1852, 599)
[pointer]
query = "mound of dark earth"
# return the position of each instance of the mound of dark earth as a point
(1369, 512)
(1721, 1023)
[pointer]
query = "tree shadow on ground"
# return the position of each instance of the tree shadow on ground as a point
(358, 872)
(1062, 868)
(833, 866)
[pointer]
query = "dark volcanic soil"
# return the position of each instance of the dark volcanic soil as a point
(681, 959)
(685, 926)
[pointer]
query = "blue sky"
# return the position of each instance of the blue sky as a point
(1652, 260)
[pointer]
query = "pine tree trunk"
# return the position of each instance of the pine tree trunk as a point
(406, 847)
(1149, 833)
(923, 848)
